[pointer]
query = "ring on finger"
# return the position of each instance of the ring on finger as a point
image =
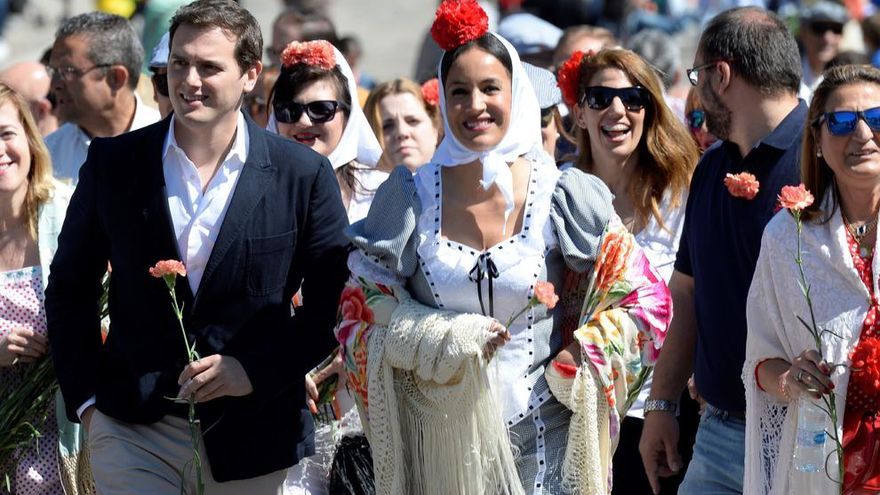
(800, 376)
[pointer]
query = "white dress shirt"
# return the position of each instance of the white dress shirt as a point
(196, 212)
(197, 215)
(69, 144)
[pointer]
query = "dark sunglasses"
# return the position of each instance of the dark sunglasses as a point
(546, 117)
(696, 118)
(160, 79)
(821, 27)
(600, 97)
(319, 112)
(844, 122)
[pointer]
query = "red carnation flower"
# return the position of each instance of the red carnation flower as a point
(431, 92)
(318, 53)
(569, 75)
(458, 22)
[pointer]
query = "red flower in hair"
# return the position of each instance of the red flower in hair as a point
(457, 22)
(569, 75)
(431, 92)
(317, 53)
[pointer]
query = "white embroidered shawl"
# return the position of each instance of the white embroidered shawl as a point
(435, 426)
(840, 300)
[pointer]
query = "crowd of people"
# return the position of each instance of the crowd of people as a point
(552, 261)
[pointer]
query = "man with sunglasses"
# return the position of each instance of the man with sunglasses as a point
(254, 217)
(820, 35)
(95, 66)
(747, 73)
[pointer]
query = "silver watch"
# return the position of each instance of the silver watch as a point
(660, 405)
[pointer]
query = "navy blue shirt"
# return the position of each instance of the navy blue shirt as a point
(719, 248)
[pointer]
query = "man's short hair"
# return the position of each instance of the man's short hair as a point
(758, 47)
(112, 41)
(231, 18)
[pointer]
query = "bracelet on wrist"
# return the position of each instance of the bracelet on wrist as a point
(661, 405)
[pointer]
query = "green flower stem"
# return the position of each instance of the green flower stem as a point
(828, 400)
(191, 355)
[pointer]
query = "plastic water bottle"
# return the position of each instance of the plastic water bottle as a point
(809, 449)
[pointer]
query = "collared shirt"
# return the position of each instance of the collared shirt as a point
(719, 248)
(196, 212)
(69, 144)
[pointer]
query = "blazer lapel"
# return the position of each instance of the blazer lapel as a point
(256, 175)
(156, 215)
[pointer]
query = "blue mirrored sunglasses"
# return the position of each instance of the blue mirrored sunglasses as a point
(844, 122)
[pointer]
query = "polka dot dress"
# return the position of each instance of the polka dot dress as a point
(21, 305)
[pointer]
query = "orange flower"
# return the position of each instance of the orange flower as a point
(545, 293)
(795, 197)
(742, 185)
(615, 252)
(168, 267)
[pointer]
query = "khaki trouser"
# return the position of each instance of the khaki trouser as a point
(146, 459)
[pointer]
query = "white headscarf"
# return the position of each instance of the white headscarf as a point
(357, 141)
(523, 133)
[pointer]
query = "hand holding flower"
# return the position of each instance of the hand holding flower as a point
(499, 336)
(807, 374)
(212, 377)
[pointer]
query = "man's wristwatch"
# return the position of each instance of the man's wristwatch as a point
(660, 405)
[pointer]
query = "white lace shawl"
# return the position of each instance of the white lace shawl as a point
(840, 302)
(435, 425)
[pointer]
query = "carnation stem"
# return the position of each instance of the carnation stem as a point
(829, 399)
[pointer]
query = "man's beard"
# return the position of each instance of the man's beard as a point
(717, 114)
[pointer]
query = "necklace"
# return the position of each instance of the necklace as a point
(859, 233)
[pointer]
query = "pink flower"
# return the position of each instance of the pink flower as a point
(545, 293)
(795, 197)
(317, 53)
(168, 267)
(742, 185)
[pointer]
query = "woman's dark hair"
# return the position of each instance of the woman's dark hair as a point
(488, 43)
(293, 79)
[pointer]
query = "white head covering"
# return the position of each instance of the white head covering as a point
(357, 141)
(523, 133)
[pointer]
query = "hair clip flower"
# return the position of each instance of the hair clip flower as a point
(742, 185)
(318, 53)
(569, 75)
(458, 22)
(431, 92)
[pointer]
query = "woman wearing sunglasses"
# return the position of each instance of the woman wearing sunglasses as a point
(840, 166)
(314, 102)
(630, 139)
(695, 118)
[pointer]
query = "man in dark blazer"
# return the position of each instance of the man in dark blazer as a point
(254, 217)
